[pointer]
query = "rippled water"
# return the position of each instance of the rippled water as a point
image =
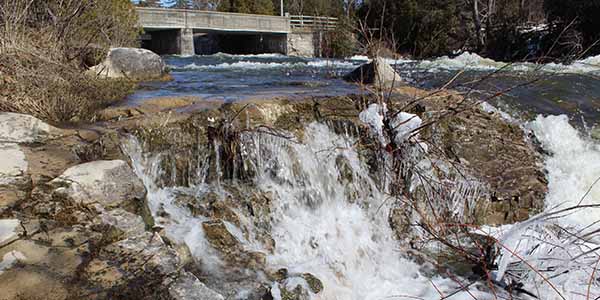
(540, 89)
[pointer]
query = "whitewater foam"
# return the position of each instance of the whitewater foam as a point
(474, 62)
(547, 252)
(252, 65)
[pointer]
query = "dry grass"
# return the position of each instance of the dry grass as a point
(44, 47)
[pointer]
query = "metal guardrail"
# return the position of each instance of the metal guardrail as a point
(313, 23)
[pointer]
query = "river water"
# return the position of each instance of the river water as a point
(356, 255)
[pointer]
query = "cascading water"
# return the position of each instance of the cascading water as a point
(328, 218)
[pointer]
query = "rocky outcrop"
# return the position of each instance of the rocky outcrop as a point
(188, 287)
(131, 63)
(108, 183)
(377, 73)
(19, 128)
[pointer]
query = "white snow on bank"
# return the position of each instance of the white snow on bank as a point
(404, 125)
(373, 117)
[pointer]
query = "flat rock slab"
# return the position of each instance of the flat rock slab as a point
(13, 164)
(20, 128)
(188, 287)
(9, 230)
(109, 183)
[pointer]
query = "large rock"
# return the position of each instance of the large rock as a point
(188, 287)
(378, 73)
(108, 183)
(133, 63)
(14, 181)
(20, 128)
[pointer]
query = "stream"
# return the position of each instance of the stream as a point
(347, 243)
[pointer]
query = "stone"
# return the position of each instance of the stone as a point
(13, 164)
(9, 230)
(108, 183)
(595, 134)
(31, 284)
(188, 287)
(15, 183)
(20, 128)
(377, 73)
(132, 63)
(144, 252)
(315, 284)
(123, 222)
(229, 240)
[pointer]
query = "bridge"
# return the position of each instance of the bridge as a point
(188, 32)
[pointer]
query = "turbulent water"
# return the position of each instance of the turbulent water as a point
(347, 243)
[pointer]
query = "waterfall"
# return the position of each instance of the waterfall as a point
(328, 217)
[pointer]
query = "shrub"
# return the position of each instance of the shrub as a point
(44, 48)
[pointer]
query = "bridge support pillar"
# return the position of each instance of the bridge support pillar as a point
(186, 42)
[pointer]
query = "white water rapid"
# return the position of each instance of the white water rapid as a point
(322, 224)
(337, 228)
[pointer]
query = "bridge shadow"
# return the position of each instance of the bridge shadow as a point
(202, 42)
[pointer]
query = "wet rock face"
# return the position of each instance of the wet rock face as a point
(496, 152)
(188, 287)
(133, 63)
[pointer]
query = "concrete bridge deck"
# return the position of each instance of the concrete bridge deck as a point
(182, 31)
(159, 18)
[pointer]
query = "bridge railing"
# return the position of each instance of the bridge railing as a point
(313, 23)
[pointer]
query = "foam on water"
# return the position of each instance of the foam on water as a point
(474, 62)
(573, 168)
(548, 248)
(252, 65)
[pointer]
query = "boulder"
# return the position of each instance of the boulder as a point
(230, 242)
(188, 287)
(378, 73)
(110, 184)
(14, 181)
(20, 128)
(133, 63)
